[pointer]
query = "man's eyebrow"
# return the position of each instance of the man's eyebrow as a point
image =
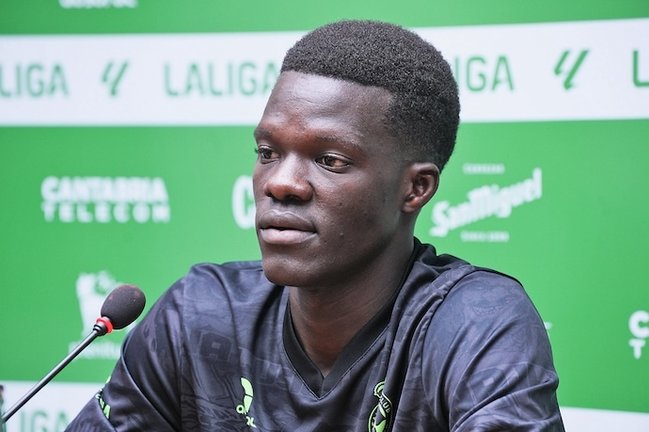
(260, 132)
(346, 141)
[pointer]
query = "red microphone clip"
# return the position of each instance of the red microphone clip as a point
(106, 322)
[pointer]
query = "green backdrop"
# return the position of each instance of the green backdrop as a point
(126, 149)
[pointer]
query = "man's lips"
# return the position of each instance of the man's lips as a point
(284, 228)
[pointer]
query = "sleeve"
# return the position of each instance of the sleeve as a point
(143, 391)
(492, 362)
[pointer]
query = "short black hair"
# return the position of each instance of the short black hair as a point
(425, 108)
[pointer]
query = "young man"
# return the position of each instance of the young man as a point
(348, 323)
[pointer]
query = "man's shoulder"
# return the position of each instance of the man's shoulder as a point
(476, 301)
(455, 272)
(456, 292)
(213, 284)
(485, 293)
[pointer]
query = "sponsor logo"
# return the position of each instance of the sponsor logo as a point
(112, 76)
(244, 407)
(105, 408)
(105, 199)
(479, 73)
(243, 202)
(483, 168)
(637, 80)
(484, 202)
(97, 4)
(44, 420)
(34, 80)
(639, 328)
(92, 289)
(211, 79)
(225, 78)
(569, 72)
(51, 410)
(382, 412)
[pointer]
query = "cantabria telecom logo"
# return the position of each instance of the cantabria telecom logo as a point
(484, 202)
(105, 199)
(639, 327)
(243, 202)
(92, 289)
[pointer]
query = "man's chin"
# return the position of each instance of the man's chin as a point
(285, 273)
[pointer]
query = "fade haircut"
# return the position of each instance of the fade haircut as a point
(424, 112)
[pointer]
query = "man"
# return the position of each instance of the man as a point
(348, 323)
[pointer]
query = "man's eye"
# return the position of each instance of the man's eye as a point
(330, 161)
(265, 153)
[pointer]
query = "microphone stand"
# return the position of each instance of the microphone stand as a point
(99, 329)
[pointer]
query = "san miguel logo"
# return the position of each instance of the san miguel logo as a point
(484, 202)
(382, 412)
(105, 199)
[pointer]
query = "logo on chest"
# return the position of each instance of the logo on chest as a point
(380, 415)
(244, 407)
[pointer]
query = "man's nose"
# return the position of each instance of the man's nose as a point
(288, 180)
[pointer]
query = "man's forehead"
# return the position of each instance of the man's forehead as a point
(302, 84)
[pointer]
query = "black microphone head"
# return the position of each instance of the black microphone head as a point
(123, 305)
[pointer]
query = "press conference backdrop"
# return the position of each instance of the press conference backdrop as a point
(126, 155)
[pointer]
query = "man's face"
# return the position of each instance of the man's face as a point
(327, 182)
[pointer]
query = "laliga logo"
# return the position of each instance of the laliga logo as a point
(639, 327)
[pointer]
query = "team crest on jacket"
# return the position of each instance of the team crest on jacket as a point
(380, 415)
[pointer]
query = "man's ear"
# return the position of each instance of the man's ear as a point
(422, 179)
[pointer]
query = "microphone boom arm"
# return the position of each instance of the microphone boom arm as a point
(122, 307)
(99, 329)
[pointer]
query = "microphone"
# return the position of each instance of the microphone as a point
(122, 306)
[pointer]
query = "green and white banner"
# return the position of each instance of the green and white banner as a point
(126, 155)
(571, 71)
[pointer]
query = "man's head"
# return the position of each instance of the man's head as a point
(350, 144)
(424, 112)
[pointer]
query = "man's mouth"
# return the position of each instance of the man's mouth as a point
(284, 228)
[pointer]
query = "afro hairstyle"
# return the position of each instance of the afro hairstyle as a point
(424, 112)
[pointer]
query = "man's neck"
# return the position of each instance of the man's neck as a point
(327, 318)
